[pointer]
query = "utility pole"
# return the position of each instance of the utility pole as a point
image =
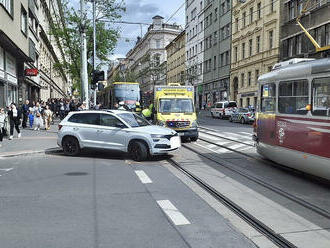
(84, 73)
(94, 46)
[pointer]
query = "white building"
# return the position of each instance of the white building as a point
(148, 57)
(195, 45)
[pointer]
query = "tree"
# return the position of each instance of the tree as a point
(67, 31)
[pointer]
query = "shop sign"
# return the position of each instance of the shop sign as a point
(200, 88)
(248, 94)
(31, 72)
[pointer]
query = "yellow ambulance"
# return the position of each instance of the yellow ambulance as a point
(174, 108)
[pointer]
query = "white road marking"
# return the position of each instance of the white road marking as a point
(6, 169)
(221, 143)
(143, 176)
(173, 213)
(249, 134)
(208, 136)
(210, 146)
(223, 150)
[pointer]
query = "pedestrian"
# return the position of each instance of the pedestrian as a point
(25, 112)
(14, 115)
(38, 121)
(3, 121)
(31, 118)
(48, 117)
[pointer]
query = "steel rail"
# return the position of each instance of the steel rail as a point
(231, 166)
(250, 219)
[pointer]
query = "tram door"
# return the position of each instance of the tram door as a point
(266, 116)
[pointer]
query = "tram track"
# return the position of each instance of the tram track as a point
(232, 167)
(276, 238)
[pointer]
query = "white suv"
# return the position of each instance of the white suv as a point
(115, 130)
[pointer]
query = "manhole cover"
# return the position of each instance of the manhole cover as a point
(76, 174)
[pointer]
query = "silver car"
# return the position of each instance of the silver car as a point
(115, 130)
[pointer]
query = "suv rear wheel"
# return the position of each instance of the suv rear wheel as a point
(242, 120)
(138, 151)
(71, 146)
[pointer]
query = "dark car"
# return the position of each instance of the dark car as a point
(242, 115)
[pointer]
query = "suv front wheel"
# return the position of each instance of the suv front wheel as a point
(71, 146)
(138, 151)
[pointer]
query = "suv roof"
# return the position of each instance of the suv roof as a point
(114, 111)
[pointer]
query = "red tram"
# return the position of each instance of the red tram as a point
(293, 119)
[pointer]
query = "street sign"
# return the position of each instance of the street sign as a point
(31, 72)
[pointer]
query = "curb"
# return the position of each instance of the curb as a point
(25, 153)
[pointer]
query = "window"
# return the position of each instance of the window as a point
(227, 58)
(249, 78)
(236, 54)
(259, 10)
(222, 59)
(257, 76)
(268, 94)
(258, 44)
(292, 13)
(206, 22)
(210, 18)
(8, 4)
(236, 24)
(271, 39)
(321, 96)
(87, 118)
(271, 5)
(300, 6)
(223, 8)
(23, 20)
(216, 14)
(291, 47)
(327, 34)
(215, 37)
(242, 80)
(109, 121)
(293, 97)
(244, 19)
(228, 5)
(299, 44)
(250, 47)
(243, 51)
(214, 62)
(251, 15)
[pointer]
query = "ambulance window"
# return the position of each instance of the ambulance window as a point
(268, 97)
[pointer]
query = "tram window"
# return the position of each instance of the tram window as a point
(293, 97)
(321, 96)
(268, 93)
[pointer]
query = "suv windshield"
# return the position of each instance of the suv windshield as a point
(134, 120)
(230, 105)
(176, 106)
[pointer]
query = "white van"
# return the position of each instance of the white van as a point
(223, 109)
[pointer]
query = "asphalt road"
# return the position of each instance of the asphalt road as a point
(100, 200)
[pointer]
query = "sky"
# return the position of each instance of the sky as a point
(143, 11)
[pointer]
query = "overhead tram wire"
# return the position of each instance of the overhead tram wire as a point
(175, 12)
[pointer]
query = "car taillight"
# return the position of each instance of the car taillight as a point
(59, 127)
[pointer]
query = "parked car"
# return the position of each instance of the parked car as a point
(223, 109)
(242, 115)
(115, 130)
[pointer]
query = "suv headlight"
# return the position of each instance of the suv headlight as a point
(161, 123)
(157, 136)
(194, 124)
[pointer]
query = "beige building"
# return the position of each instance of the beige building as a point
(255, 47)
(176, 60)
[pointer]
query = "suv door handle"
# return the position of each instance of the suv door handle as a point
(99, 131)
(75, 128)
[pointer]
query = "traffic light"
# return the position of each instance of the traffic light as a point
(97, 76)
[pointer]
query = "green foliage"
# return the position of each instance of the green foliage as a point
(67, 31)
(127, 76)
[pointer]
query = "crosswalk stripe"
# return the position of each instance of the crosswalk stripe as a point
(234, 147)
(173, 213)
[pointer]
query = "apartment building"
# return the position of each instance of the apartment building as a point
(14, 48)
(255, 46)
(294, 42)
(217, 46)
(148, 57)
(195, 47)
(28, 52)
(176, 60)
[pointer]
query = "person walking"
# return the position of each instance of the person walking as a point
(3, 120)
(25, 112)
(14, 116)
(48, 117)
(31, 118)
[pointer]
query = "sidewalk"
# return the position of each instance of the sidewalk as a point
(30, 142)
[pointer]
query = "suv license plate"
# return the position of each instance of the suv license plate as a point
(175, 142)
(181, 134)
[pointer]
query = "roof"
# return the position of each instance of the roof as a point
(114, 111)
(158, 17)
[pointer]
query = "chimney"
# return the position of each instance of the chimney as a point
(157, 21)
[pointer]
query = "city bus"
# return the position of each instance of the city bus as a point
(292, 125)
(127, 92)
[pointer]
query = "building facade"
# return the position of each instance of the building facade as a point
(195, 47)
(176, 60)
(148, 57)
(217, 45)
(25, 44)
(294, 42)
(14, 48)
(255, 47)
